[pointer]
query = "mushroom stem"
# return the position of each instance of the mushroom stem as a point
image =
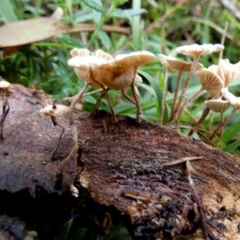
(5, 111)
(59, 139)
(139, 114)
(196, 126)
(175, 96)
(185, 87)
(92, 92)
(128, 98)
(222, 124)
(99, 99)
(76, 99)
(221, 131)
(184, 105)
(164, 98)
(105, 92)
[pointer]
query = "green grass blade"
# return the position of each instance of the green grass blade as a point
(231, 132)
(7, 11)
(232, 147)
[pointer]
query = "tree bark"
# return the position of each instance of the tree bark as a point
(125, 165)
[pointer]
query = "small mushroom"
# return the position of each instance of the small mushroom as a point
(233, 101)
(210, 82)
(227, 71)
(5, 91)
(218, 105)
(196, 51)
(172, 64)
(53, 111)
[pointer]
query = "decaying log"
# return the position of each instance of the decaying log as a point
(128, 166)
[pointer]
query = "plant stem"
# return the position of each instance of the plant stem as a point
(136, 5)
(164, 98)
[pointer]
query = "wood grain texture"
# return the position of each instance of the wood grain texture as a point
(124, 165)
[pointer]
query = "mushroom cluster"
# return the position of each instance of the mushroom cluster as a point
(100, 69)
(213, 79)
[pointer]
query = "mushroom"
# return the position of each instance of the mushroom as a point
(210, 82)
(218, 105)
(172, 64)
(196, 51)
(233, 101)
(118, 73)
(5, 91)
(227, 71)
(53, 111)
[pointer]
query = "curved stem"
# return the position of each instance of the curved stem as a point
(105, 92)
(75, 99)
(222, 124)
(128, 98)
(196, 126)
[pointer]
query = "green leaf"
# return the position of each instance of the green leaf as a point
(119, 13)
(7, 11)
(63, 234)
(105, 40)
(232, 147)
(157, 90)
(78, 234)
(134, 12)
(94, 5)
(231, 132)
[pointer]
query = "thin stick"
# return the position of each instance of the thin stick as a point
(223, 39)
(182, 160)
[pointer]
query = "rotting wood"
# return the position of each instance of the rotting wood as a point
(125, 167)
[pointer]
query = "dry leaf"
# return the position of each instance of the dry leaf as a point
(37, 29)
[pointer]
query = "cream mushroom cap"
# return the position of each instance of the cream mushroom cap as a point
(136, 59)
(217, 105)
(210, 82)
(57, 110)
(199, 50)
(6, 87)
(234, 101)
(79, 52)
(173, 64)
